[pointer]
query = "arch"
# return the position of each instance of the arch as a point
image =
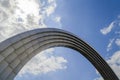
(16, 51)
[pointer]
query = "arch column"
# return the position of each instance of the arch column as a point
(16, 51)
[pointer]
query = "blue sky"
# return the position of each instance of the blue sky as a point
(97, 22)
(86, 18)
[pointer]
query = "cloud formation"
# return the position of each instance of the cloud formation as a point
(57, 19)
(114, 29)
(115, 24)
(17, 16)
(108, 29)
(109, 46)
(114, 60)
(117, 41)
(43, 64)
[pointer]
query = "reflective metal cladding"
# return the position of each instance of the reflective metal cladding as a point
(16, 51)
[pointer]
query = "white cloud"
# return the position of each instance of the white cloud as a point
(27, 8)
(114, 23)
(51, 1)
(108, 29)
(17, 16)
(115, 59)
(42, 64)
(57, 19)
(117, 42)
(100, 78)
(109, 47)
(115, 33)
(48, 10)
(114, 62)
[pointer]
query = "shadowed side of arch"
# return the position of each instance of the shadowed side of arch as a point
(15, 52)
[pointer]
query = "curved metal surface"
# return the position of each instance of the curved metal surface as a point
(15, 52)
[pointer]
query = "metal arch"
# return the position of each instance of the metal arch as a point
(16, 51)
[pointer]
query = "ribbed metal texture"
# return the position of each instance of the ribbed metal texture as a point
(16, 51)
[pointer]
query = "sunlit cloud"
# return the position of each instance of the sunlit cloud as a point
(42, 63)
(114, 29)
(109, 46)
(117, 42)
(57, 19)
(100, 78)
(17, 16)
(50, 9)
(108, 29)
(114, 60)
(51, 1)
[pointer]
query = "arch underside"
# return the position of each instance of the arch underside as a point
(15, 52)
